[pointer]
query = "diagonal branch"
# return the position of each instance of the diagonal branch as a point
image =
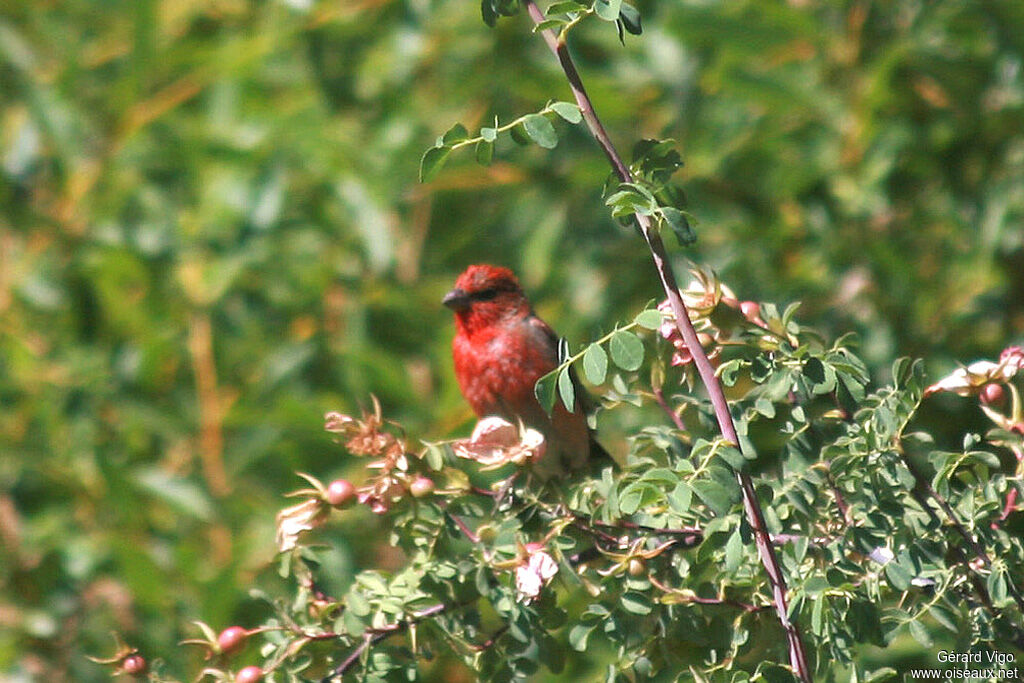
(755, 516)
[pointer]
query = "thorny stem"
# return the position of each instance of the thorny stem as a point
(755, 516)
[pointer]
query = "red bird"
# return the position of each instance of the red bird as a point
(501, 348)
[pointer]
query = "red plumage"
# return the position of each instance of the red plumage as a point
(501, 348)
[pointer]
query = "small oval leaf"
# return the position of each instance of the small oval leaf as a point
(595, 364)
(484, 152)
(568, 111)
(608, 9)
(627, 350)
(630, 18)
(650, 318)
(432, 162)
(540, 130)
(566, 390)
(680, 225)
(456, 133)
(545, 390)
(564, 8)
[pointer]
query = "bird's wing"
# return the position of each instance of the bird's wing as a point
(549, 340)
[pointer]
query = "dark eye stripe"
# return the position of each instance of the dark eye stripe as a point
(484, 294)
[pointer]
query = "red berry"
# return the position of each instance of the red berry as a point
(250, 674)
(134, 665)
(421, 486)
(751, 310)
(231, 639)
(340, 492)
(992, 393)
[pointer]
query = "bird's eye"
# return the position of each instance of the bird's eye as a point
(485, 294)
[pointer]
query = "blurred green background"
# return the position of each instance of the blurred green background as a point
(211, 233)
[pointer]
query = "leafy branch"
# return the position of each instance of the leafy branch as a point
(755, 515)
(536, 127)
(624, 347)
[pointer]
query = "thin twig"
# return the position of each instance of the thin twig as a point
(691, 535)
(703, 601)
(368, 640)
(374, 636)
(755, 516)
(490, 641)
(473, 538)
(659, 396)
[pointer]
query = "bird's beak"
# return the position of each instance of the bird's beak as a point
(457, 300)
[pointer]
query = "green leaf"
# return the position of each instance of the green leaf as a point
(899, 578)
(630, 18)
(920, 633)
(680, 225)
(765, 407)
(456, 133)
(595, 364)
(540, 130)
(608, 9)
(578, 636)
(567, 110)
(434, 456)
(490, 17)
(489, 134)
(432, 162)
(733, 456)
(564, 8)
(566, 390)
(484, 152)
(636, 603)
(733, 551)
(357, 603)
(627, 350)
(353, 625)
(883, 674)
(729, 370)
(817, 615)
(680, 498)
(373, 581)
(822, 376)
(815, 586)
(631, 198)
(632, 498)
(545, 390)
(997, 587)
(650, 318)
(549, 24)
(714, 495)
(945, 616)
(519, 134)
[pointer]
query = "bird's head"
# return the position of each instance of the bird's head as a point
(484, 295)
